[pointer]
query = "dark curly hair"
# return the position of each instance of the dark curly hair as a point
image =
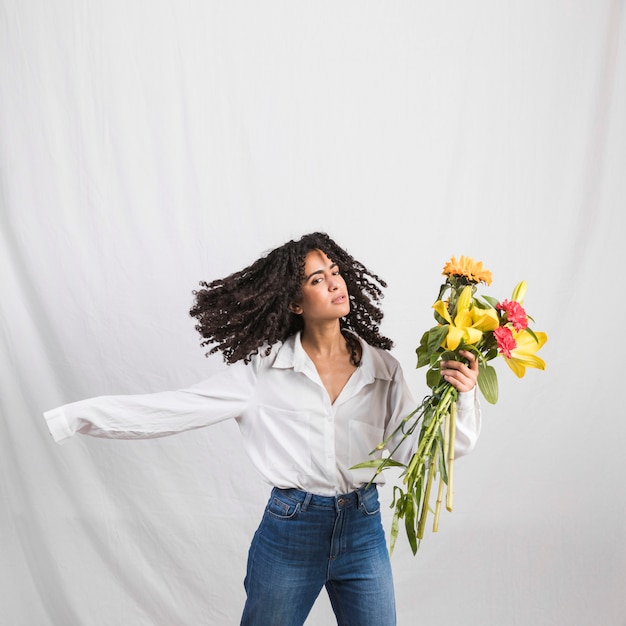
(249, 309)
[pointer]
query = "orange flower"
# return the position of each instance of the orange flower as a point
(466, 267)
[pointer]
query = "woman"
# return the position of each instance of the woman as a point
(313, 389)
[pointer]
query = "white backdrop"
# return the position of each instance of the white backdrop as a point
(148, 145)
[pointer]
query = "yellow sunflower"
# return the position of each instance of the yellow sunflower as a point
(466, 267)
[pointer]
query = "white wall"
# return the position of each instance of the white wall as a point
(148, 145)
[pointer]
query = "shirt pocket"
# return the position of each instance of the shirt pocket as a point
(285, 438)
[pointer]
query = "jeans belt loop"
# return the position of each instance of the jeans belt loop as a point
(360, 494)
(305, 502)
(359, 497)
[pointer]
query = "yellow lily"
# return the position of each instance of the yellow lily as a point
(469, 322)
(519, 292)
(523, 355)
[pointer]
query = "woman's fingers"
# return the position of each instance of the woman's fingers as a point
(461, 376)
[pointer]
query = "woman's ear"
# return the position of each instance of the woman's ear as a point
(294, 307)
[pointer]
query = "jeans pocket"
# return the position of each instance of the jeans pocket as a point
(370, 505)
(282, 508)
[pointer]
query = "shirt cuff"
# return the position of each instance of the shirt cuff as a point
(58, 425)
(465, 400)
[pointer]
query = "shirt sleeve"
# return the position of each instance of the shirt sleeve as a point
(222, 396)
(468, 421)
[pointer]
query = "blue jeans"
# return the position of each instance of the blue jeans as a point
(306, 542)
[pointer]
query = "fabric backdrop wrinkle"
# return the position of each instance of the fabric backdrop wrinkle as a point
(146, 146)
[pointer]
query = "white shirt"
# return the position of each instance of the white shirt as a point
(293, 434)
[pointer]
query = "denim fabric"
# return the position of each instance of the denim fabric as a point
(306, 542)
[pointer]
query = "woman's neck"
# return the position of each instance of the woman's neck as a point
(328, 350)
(324, 341)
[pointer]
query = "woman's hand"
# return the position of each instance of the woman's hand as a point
(462, 377)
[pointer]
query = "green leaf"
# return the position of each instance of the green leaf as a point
(376, 463)
(434, 359)
(397, 493)
(417, 491)
(491, 354)
(430, 344)
(488, 382)
(433, 377)
(492, 301)
(436, 336)
(531, 332)
(394, 530)
(409, 523)
(423, 356)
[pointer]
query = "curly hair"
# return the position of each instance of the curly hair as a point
(249, 309)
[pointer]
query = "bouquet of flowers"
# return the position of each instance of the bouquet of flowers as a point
(486, 327)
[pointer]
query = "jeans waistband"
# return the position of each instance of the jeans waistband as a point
(342, 500)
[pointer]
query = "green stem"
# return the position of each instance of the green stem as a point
(450, 452)
(432, 470)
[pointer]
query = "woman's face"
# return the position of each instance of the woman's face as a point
(324, 294)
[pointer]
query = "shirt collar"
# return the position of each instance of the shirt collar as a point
(291, 354)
